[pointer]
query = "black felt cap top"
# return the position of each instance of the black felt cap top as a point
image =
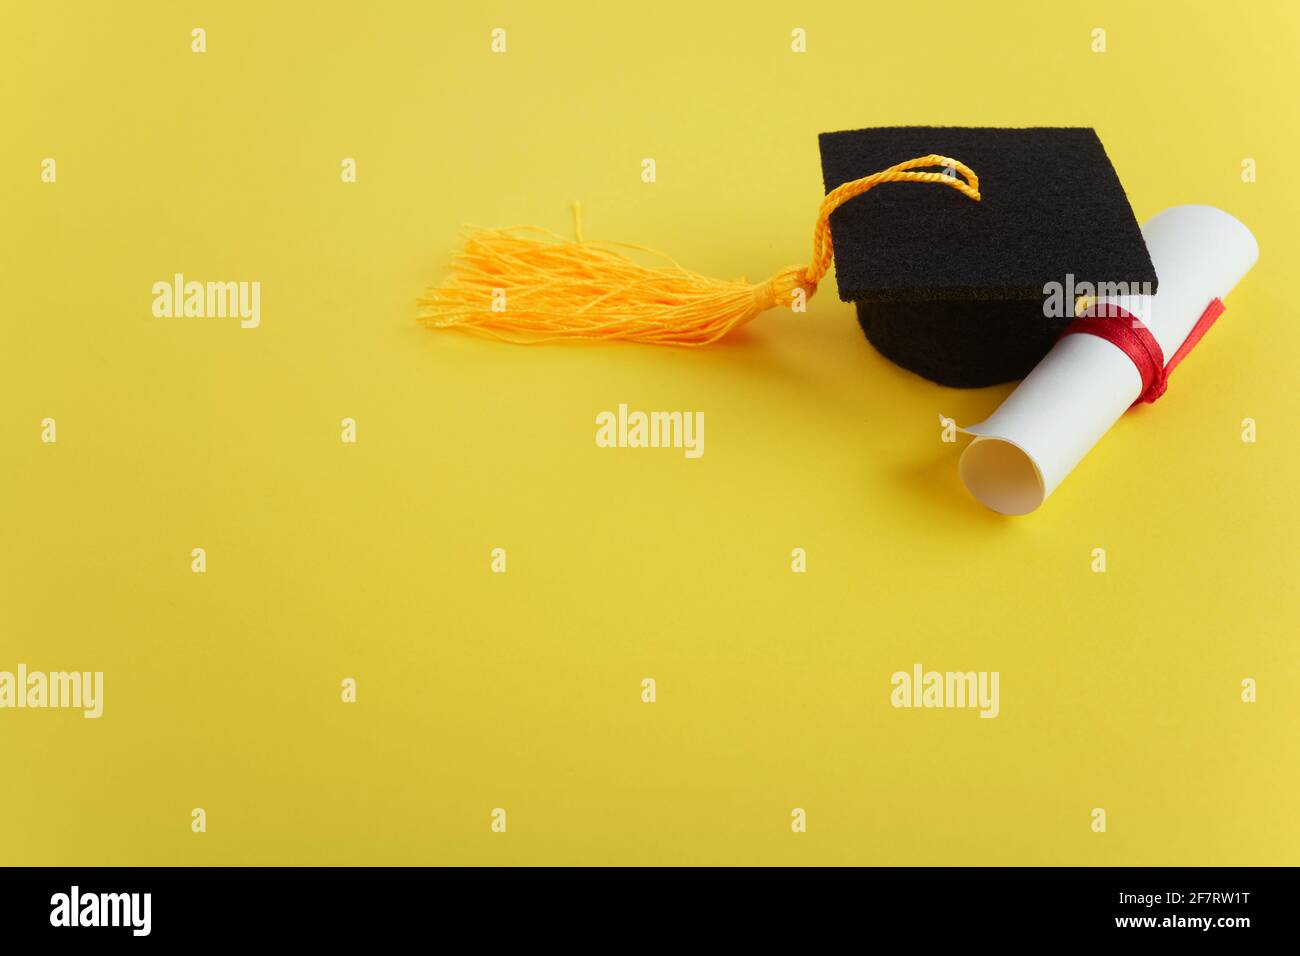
(1051, 205)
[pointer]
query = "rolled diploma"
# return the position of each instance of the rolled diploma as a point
(1084, 384)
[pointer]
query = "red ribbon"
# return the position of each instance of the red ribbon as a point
(1127, 333)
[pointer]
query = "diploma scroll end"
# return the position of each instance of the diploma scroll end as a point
(1001, 475)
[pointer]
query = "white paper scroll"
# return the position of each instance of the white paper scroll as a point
(1084, 384)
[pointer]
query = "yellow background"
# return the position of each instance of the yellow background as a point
(477, 690)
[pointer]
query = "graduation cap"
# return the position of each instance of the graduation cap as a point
(955, 291)
(945, 238)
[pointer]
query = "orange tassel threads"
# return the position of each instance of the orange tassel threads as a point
(525, 285)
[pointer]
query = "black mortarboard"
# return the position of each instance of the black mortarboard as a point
(954, 290)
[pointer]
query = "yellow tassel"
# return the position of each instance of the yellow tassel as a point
(526, 285)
